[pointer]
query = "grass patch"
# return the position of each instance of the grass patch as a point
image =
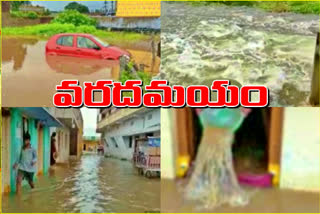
(45, 31)
(28, 14)
(305, 7)
(287, 6)
(71, 21)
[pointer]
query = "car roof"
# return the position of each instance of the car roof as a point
(74, 34)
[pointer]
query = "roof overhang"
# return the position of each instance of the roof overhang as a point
(41, 114)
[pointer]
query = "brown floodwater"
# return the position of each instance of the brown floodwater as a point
(29, 77)
(269, 200)
(94, 184)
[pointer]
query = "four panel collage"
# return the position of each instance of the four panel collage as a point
(186, 159)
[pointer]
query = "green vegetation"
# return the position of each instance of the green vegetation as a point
(74, 17)
(47, 30)
(74, 22)
(127, 74)
(272, 6)
(140, 75)
(28, 14)
(296, 7)
(78, 7)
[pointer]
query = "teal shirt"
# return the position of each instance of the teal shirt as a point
(28, 159)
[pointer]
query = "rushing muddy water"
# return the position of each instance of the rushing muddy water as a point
(250, 46)
(29, 77)
(93, 184)
(268, 200)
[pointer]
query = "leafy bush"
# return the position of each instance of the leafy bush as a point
(20, 14)
(32, 15)
(75, 18)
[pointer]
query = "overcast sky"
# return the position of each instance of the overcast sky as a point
(59, 5)
(89, 116)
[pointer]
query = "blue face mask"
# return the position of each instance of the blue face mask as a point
(227, 118)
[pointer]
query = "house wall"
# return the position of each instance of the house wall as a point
(129, 23)
(300, 149)
(116, 138)
(62, 144)
(168, 147)
(15, 144)
(5, 149)
(13, 134)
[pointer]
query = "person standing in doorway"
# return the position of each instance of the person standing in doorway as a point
(54, 152)
(26, 164)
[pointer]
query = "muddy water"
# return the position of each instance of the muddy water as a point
(250, 46)
(270, 200)
(93, 184)
(29, 77)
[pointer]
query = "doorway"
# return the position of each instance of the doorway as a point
(257, 145)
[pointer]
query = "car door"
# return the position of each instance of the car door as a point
(87, 48)
(65, 46)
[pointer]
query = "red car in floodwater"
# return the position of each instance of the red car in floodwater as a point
(83, 45)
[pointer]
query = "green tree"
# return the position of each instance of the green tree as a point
(16, 4)
(76, 6)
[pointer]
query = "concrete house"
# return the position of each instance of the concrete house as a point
(15, 123)
(120, 128)
(40, 123)
(69, 137)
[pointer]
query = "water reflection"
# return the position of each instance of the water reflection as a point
(93, 184)
(79, 66)
(16, 50)
(31, 78)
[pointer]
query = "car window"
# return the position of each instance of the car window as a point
(65, 41)
(101, 42)
(83, 42)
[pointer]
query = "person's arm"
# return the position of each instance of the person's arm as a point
(34, 157)
(15, 165)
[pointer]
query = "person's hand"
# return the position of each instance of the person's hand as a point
(245, 111)
(15, 166)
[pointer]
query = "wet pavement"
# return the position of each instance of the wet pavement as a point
(30, 77)
(94, 184)
(270, 200)
(247, 45)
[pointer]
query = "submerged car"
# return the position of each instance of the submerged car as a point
(83, 45)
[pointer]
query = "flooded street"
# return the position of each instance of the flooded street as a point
(30, 77)
(247, 45)
(264, 200)
(90, 185)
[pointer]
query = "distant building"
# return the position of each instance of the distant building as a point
(121, 128)
(90, 143)
(27, 8)
(138, 8)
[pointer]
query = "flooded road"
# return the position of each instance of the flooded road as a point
(268, 200)
(29, 77)
(250, 46)
(94, 184)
